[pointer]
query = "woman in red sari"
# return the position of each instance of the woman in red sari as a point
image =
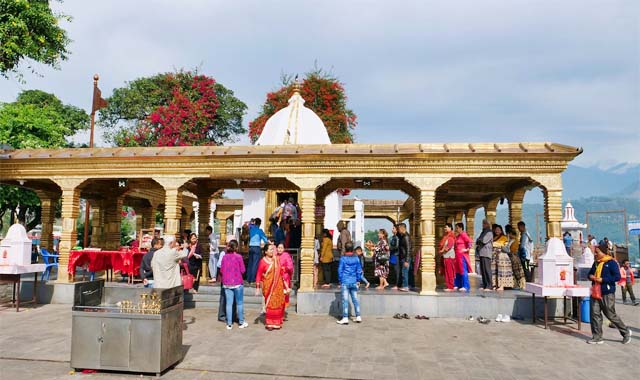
(269, 278)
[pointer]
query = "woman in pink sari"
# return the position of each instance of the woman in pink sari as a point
(286, 262)
(269, 279)
(463, 263)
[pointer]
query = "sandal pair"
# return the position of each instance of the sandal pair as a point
(424, 317)
(401, 316)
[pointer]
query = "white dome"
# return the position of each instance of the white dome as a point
(294, 124)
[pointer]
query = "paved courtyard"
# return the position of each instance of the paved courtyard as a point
(36, 342)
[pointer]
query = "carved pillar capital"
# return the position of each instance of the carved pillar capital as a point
(68, 183)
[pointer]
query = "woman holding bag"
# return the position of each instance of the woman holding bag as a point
(603, 275)
(447, 250)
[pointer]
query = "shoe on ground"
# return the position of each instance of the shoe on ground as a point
(229, 327)
(499, 318)
(595, 341)
(343, 321)
(627, 339)
(636, 303)
(357, 319)
(244, 325)
(505, 318)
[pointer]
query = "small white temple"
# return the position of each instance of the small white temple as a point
(570, 224)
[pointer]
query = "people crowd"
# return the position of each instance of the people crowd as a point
(504, 255)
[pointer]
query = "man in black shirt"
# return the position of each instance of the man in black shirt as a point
(146, 274)
(404, 256)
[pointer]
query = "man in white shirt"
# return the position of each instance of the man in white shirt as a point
(166, 264)
(214, 255)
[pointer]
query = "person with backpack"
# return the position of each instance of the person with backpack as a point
(349, 275)
(525, 250)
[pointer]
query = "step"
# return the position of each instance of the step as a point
(209, 297)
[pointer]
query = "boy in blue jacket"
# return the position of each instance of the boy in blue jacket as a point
(605, 271)
(349, 275)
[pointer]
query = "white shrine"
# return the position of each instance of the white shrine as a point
(555, 267)
(15, 248)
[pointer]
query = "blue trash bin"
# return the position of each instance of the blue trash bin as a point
(585, 310)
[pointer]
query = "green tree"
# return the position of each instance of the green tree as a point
(29, 30)
(39, 120)
(35, 120)
(141, 112)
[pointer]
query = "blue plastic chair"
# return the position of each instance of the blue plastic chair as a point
(50, 261)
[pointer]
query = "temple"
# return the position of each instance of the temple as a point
(293, 156)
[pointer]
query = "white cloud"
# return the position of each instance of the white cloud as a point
(436, 70)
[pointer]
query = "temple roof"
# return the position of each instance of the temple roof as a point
(449, 149)
(294, 124)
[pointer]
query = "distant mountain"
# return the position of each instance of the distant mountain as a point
(621, 179)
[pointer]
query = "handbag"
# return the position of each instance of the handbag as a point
(450, 254)
(596, 291)
(382, 258)
(393, 259)
(187, 278)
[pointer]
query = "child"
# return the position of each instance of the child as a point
(349, 274)
(360, 254)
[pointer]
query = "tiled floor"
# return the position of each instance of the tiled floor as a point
(35, 343)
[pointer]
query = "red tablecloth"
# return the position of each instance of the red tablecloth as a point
(125, 261)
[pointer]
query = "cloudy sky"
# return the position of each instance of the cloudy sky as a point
(415, 71)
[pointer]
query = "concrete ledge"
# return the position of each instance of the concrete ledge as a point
(443, 305)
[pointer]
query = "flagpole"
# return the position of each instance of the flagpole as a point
(93, 109)
(87, 205)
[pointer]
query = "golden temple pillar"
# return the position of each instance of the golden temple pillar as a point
(172, 212)
(48, 203)
(204, 211)
(440, 219)
(490, 210)
(307, 202)
(97, 223)
(172, 203)
(112, 222)
(185, 217)
(149, 217)
(426, 241)
(516, 199)
(222, 224)
(552, 190)
(70, 212)
(553, 212)
(470, 227)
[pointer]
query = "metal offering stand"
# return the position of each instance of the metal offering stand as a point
(130, 329)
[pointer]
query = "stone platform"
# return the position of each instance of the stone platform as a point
(441, 305)
(373, 302)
